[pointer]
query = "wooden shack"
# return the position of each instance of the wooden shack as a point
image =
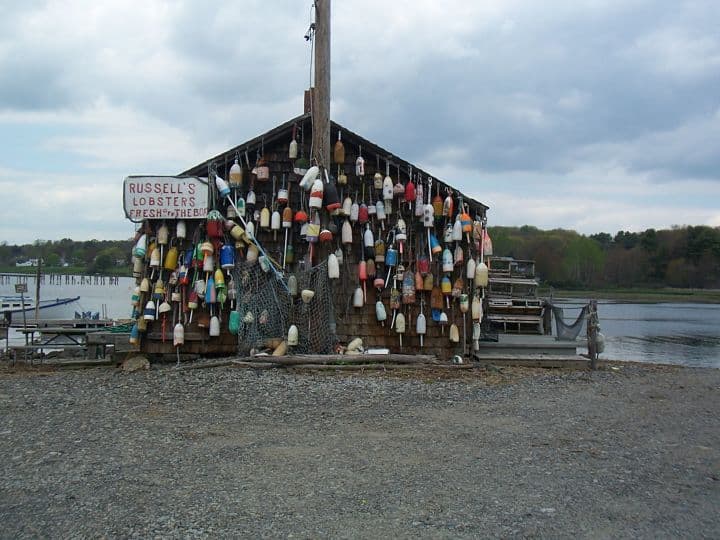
(402, 239)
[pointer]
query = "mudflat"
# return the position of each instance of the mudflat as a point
(627, 451)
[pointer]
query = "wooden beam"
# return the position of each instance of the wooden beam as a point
(321, 91)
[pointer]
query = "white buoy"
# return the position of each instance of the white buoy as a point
(333, 267)
(316, 194)
(380, 312)
(421, 327)
(400, 326)
(481, 275)
(293, 336)
(178, 335)
(358, 298)
(309, 178)
(470, 269)
(214, 326)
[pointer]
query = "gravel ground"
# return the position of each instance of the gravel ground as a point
(628, 451)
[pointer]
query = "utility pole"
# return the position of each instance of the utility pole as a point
(321, 92)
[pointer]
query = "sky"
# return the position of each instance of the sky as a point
(590, 115)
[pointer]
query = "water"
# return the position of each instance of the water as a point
(668, 333)
(115, 298)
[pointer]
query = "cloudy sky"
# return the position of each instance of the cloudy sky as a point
(582, 114)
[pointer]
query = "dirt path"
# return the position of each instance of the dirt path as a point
(232, 452)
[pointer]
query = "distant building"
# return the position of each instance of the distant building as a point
(29, 262)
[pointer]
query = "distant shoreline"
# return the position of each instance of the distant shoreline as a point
(640, 295)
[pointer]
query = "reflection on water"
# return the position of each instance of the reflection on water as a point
(686, 334)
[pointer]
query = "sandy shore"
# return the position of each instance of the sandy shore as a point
(631, 451)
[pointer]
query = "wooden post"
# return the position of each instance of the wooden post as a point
(37, 289)
(592, 328)
(321, 91)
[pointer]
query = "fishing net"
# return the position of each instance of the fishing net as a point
(568, 332)
(266, 309)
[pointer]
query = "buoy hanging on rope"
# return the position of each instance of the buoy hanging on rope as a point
(171, 259)
(454, 333)
(358, 301)
(316, 194)
(447, 261)
(141, 246)
(481, 275)
(457, 230)
(339, 149)
(346, 233)
(470, 269)
(421, 326)
(293, 336)
(360, 164)
(214, 326)
(380, 312)
(181, 229)
(149, 311)
(227, 257)
(333, 267)
(134, 335)
(309, 177)
(235, 176)
(293, 149)
(400, 327)
(476, 311)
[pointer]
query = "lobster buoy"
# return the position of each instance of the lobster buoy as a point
(354, 212)
(470, 269)
(178, 335)
(454, 333)
(234, 323)
(235, 176)
(360, 166)
(380, 312)
(252, 253)
(346, 206)
(307, 295)
(293, 336)
(428, 216)
(333, 267)
(447, 261)
(134, 335)
(310, 176)
(287, 218)
(339, 149)
(388, 189)
(346, 234)
(435, 246)
(363, 214)
(149, 311)
(275, 221)
(262, 171)
(457, 230)
(378, 180)
(265, 218)
(421, 327)
(400, 326)
(292, 285)
(227, 257)
(171, 259)
(316, 194)
(476, 311)
(331, 200)
(140, 246)
(181, 229)
(464, 303)
(293, 148)
(380, 210)
(222, 187)
(481, 275)
(358, 299)
(145, 285)
(410, 191)
(155, 258)
(368, 238)
(419, 201)
(459, 255)
(214, 326)
(446, 286)
(379, 250)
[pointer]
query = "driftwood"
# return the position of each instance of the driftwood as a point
(345, 359)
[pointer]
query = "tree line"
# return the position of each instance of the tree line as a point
(685, 257)
(86, 256)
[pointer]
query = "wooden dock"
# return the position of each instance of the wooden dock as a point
(531, 351)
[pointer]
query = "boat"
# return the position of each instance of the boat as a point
(12, 307)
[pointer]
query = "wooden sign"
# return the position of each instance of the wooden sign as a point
(165, 197)
(20, 288)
